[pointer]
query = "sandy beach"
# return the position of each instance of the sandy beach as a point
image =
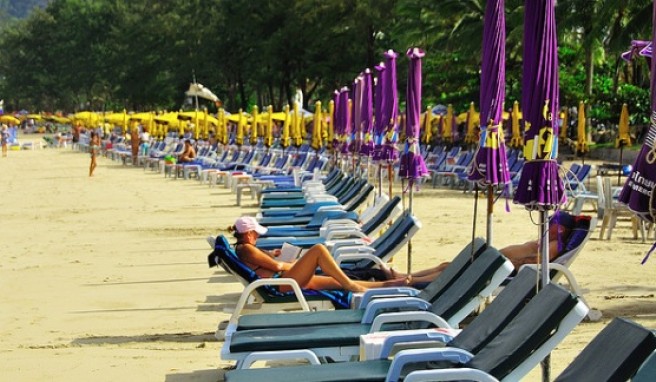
(106, 277)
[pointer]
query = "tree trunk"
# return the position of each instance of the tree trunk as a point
(589, 79)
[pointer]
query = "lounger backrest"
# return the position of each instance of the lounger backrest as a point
(358, 200)
(531, 328)
(381, 216)
(470, 283)
(581, 232)
(396, 236)
(499, 313)
(615, 354)
(453, 270)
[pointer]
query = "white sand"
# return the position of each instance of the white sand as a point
(106, 277)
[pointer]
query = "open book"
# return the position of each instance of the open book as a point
(290, 253)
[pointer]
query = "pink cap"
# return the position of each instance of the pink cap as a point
(248, 223)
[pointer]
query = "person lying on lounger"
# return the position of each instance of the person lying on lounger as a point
(264, 264)
(560, 228)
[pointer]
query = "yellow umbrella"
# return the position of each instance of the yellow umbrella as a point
(516, 140)
(297, 122)
(9, 119)
(473, 120)
(317, 138)
(268, 127)
(254, 126)
(330, 126)
(167, 121)
(241, 124)
(581, 142)
(623, 137)
(36, 117)
(427, 123)
(447, 127)
(118, 119)
(564, 118)
(222, 135)
(87, 118)
(285, 141)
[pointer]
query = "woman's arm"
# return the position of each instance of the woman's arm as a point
(250, 254)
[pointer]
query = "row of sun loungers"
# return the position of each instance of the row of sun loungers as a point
(347, 337)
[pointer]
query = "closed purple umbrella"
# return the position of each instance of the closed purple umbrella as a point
(345, 120)
(379, 95)
(540, 186)
(366, 115)
(379, 124)
(412, 164)
(490, 166)
(390, 110)
(638, 189)
(356, 120)
(389, 118)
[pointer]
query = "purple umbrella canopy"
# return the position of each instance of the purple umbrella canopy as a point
(390, 110)
(356, 120)
(540, 186)
(412, 164)
(490, 166)
(337, 121)
(638, 189)
(366, 113)
(379, 96)
(638, 47)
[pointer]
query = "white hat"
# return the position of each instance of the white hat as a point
(248, 223)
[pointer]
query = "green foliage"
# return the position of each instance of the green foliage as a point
(142, 54)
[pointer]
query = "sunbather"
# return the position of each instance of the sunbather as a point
(560, 228)
(189, 153)
(264, 264)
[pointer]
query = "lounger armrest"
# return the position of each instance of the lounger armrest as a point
(373, 293)
(332, 207)
(360, 256)
(304, 354)
(250, 288)
(464, 374)
(346, 233)
(387, 318)
(405, 304)
(429, 335)
(321, 198)
(410, 356)
(342, 249)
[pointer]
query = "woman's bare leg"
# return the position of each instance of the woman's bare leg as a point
(303, 271)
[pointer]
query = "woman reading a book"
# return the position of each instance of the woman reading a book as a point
(265, 264)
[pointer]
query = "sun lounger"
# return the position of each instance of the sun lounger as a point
(509, 355)
(341, 342)
(429, 294)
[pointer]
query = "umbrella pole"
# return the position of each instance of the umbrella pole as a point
(474, 220)
(544, 277)
(619, 172)
(490, 212)
(380, 180)
(390, 178)
(410, 181)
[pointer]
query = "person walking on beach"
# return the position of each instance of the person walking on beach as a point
(94, 147)
(4, 139)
